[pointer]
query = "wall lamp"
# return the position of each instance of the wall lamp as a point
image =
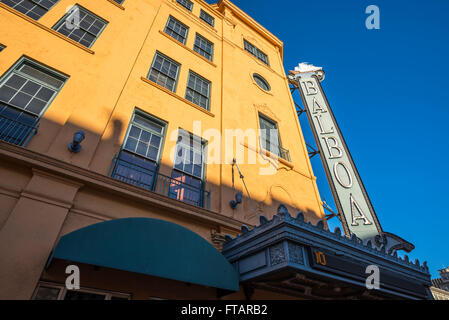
(75, 145)
(237, 201)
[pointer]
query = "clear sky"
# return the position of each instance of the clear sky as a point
(389, 92)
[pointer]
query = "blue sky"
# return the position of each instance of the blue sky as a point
(389, 90)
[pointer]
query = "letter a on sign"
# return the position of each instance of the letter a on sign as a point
(355, 207)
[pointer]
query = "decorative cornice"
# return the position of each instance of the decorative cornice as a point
(283, 217)
(252, 23)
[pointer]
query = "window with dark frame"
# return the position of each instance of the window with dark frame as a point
(164, 71)
(25, 94)
(198, 90)
(138, 160)
(176, 29)
(33, 8)
(189, 169)
(207, 18)
(204, 47)
(2, 47)
(145, 137)
(87, 31)
(261, 82)
(120, 2)
(256, 52)
(186, 4)
(269, 135)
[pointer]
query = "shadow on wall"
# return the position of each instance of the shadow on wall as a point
(107, 157)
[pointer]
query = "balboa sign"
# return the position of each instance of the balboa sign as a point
(351, 199)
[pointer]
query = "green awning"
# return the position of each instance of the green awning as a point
(149, 246)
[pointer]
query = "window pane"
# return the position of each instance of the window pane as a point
(255, 52)
(261, 82)
(204, 47)
(47, 293)
(269, 135)
(144, 137)
(30, 87)
(186, 188)
(32, 8)
(88, 29)
(176, 29)
(189, 154)
(186, 4)
(198, 90)
(164, 72)
(207, 17)
(78, 295)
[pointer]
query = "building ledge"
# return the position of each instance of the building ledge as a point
(116, 4)
(177, 96)
(44, 163)
(188, 49)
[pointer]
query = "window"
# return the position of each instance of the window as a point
(25, 93)
(198, 90)
(189, 167)
(84, 30)
(261, 82)
(204, 47)
(2, 47)
(164, 71)
(137, 162)
(189, 154)
(47, 291)
(186, 4)
(145, 137)
(176, 30)
(269, 136)
(256, 52)
(207, 18)
(119, 1)
(32, 8)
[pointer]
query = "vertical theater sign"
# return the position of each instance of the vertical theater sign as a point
(357, 214)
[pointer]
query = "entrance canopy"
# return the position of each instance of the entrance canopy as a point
(152, 247)
(291, 256)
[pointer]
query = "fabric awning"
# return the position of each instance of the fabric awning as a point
(149, 246)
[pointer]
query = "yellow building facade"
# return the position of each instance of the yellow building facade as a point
(140, 79)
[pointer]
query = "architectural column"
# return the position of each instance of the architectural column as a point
(29, 234)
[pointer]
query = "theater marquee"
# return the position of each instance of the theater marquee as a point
(352, 201)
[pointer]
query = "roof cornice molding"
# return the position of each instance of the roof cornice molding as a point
(222, 4)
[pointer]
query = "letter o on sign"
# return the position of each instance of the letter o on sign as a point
(337, 172)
